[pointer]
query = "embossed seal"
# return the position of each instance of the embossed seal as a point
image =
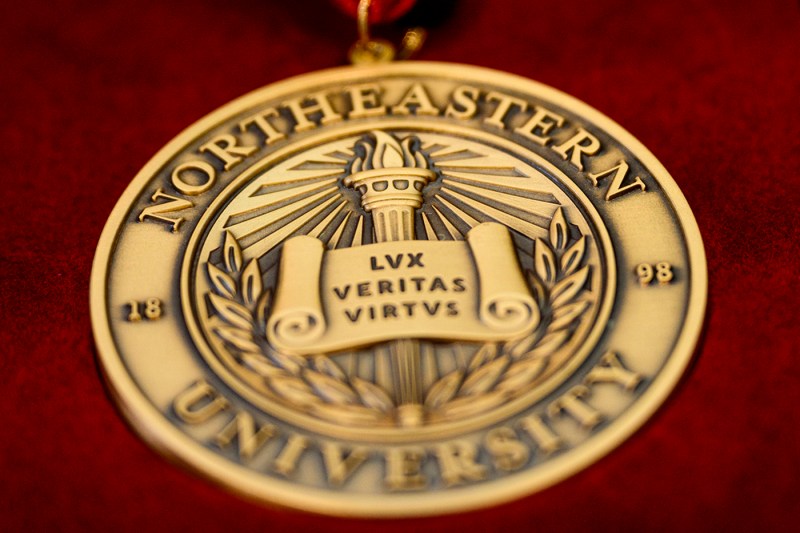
(397, 290)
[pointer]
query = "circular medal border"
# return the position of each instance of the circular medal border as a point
(396, 435)
(171, 442)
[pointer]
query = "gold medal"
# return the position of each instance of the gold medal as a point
(400, 289)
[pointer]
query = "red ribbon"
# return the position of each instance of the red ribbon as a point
(380, 11)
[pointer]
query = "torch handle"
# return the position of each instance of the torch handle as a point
(396, 223)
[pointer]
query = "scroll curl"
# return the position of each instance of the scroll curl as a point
(296, 327)
(505, 302)
(509, 313)
(297, 318)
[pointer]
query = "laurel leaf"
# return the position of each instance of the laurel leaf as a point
(262, 310)
(232, 312)
(519, 346)
(295, 390)
(223, 283)
(326, 366)
(567, 288)
(347, 414)
(484, 378)
(241, 339)
(443, 390)
(291, 363)
(484, 355)
(232, 253)
(331, 389)
(545, 262)
(549, 343)
(537, 289)
(257, 363)
(251, 283)
(559, 231)
(572, 258)
(471, 405)
(372, 395)
(565, 315)
(521, 374)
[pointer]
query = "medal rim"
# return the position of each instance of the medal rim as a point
(153, 427)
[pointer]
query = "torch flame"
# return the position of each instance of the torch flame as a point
(379, 150)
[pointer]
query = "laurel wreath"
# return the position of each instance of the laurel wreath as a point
(498, 372)
(494, 374)
(316, 384)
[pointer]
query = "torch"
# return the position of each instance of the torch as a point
(390, 175)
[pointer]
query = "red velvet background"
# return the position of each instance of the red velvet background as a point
(91, 90)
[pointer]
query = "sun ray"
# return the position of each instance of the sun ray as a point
(337, 235)
(442, 233)
(454, 232)
(429, 231)
(279, 215)
(260, 246)
(255, 206)
(321, 164)
(459, 154)
(432, 149)
(497, 184)
(487, 170)
(348, 235)
(318, 230)
(293, 178)
(460, 213)
(358, 236)
(344, 155)
(515, 204)
(531, 229)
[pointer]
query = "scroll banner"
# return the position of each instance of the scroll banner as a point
(349, 298)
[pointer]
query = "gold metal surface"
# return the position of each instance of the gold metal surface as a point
(366, 50)
(396, 290)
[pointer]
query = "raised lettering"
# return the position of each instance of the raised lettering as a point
(504, 105)
(404, 469)
(464, 103)
(543, 436)
(338, 465)
(576, 146)
(542, 121)
(319, 104)
(507, 451)
(271, 135)
(616, 188)
(416, 96)
(365, 101)
(571, 403)
(199, 403)
(157, 211)
(205, 176)
(457, 463)
(226, 149)
(250, 437)
(287, 459)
